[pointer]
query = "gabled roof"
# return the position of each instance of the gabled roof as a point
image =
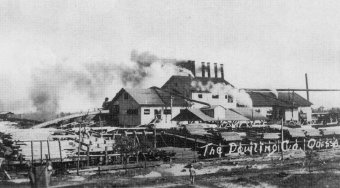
(234, 116)
(166, 98)
(192, 115)
(295, 98)
(152, 97)
(182, 84)
(145, 97)
(284, 99)
(249, 113)
(6, 113)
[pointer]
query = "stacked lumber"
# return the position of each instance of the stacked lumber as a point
(96, 144)
(53, 149)
(181, 153)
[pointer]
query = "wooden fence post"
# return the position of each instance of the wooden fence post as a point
(195, 147)
(41, 156)
(48, 150)
(32, 151)
(88, 155)
(60, 154)
(219, 154)
(155, 139)
(105, 155)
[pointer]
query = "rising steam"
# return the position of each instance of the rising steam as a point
(148, 65)
(241, 96)
(96, 80)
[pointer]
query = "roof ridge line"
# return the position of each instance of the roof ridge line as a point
(159, 96)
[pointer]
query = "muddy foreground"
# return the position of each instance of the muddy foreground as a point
(296, 170)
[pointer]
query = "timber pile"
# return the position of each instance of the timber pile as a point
(96, 144)
(180, 153)
(41, 149)
(57, 146)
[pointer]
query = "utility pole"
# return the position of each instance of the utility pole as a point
(281, 141)
(306, 77)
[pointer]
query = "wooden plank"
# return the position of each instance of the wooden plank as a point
(48, 149)
(106, 157)
(61, 157)
(32, 150)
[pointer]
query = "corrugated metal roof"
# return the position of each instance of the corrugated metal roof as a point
(234, 116)
(230, 136)
(152, 97)
(249, 113)
(192, 115)
(285, 99)
(145, 96)
(166, 98)
(295, 98)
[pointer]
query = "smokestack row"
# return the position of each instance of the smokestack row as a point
(207, 68)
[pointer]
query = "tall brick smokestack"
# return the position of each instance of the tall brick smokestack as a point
(208, 69)
(203, 69)
(215, 70)
(193, 69)
(222, 71)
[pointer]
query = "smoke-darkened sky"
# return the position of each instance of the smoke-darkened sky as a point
(262, 44)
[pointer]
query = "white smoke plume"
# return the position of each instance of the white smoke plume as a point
(145, 66)
(241, 96)
(54, 87)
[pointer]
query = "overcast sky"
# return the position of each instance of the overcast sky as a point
(262, 43)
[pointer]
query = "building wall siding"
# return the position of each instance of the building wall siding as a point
(166, 118)
(292, 114)
(308, 111)
(124, 105)
(265, 111)
(207, 97)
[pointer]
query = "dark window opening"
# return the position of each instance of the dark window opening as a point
(200, 96)
(226, 96)
(230, 99)
(158, 112)
(146, 111)
(167, 111)
(132, 111)
(126, 96)
(215, 96)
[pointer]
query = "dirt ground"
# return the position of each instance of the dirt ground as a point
(321, 171)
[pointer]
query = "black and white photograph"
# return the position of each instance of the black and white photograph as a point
(169, 93)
